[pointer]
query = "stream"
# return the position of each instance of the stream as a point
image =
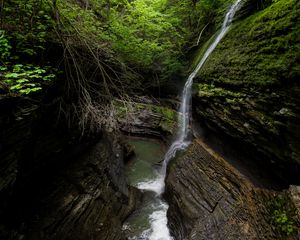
(150, 221)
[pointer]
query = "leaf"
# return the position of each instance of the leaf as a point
(22, 80)
(12, 75)
(16, 87)
(8, 81)
(2, 68)
(49, 77)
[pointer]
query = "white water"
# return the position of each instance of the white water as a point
(159, 229)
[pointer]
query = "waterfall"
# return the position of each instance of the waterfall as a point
(182, 141)
(159, 229)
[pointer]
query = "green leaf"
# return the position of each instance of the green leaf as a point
(22, 80)
(16, 87)
(12, 75)
(3, 68)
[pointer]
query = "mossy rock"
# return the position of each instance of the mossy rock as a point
(249, 89)
(260, 50)
(147, 116)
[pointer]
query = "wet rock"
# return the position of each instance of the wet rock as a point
(15, 131)
(267, 130)
(128, 151)
(146, 119)
(248, 88)
(210, 199)
(295, 196)
(56, 183)
(90, 200)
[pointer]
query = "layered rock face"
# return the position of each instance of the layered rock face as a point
(55, 185)
(249, 88)
(211, 199)
(146, 119)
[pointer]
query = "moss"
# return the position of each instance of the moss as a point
(253, 73)
(261, 50)
(202, 51)
(167, 120)
(209, 90)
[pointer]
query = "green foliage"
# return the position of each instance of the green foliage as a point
(281, 216)
(5, 46)
(25, 79)
(28, 24)
(145, 36)
(156, 33)
(137, 33)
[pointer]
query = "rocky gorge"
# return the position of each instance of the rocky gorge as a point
(238, 178)
(59, 184)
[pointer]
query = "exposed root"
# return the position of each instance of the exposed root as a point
(91, 83)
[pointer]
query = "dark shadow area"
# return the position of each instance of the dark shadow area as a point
(252, 164)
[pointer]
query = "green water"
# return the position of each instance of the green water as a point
(148, 154)
(143, 167)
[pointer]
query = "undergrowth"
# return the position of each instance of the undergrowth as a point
(282, 216)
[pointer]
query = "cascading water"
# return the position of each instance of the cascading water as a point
(158, 217)
(182, 139)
